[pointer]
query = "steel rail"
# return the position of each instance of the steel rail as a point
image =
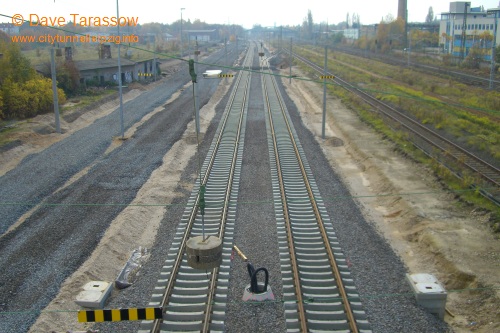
(204, 179)
(331, 256)
(485, 170)
(213, 280)
(295, 269)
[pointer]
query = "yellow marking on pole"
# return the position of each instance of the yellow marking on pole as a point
(226, 75)
(82, 316)
(119, 314)
(99, 316)
(132, 314)
(116, 315)
(327, 77)
(150, 312)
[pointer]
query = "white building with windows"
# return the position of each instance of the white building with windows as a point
(9, 28)
(464, 27)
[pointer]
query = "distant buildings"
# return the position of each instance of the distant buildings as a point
(202, 35)
(465, 27)
(9, 28)
(102, 71)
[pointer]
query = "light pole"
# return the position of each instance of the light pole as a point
(120, 78)
(493, 46)
(181, 30)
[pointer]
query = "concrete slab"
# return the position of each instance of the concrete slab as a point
(94, 294)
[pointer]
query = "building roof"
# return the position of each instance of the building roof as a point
(200, 31)
(85, 65)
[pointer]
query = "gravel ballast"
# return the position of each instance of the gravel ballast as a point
(377, 271)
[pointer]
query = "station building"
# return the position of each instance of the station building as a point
(465, 27)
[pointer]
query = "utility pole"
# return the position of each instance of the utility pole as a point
(324, 94)
(291, 60)
(54, 89)
(464, 32)
(493, 47)
(120, 78)
(409, 47)
(225, 51)
(196, 105)
(181, 30)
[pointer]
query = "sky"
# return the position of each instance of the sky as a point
(246, 14)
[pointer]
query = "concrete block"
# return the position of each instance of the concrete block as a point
(94, 294)
(266, 295)
(429, 293)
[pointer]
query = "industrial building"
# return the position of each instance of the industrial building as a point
(465, 27)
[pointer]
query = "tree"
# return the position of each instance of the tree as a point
(23, 92)
(356, 21)
(68, 77)
(389, 35)
(430, 16)
(310, 23)
(13, 64)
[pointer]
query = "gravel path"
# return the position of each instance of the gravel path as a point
(57, 238)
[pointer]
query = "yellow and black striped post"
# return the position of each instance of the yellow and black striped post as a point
(226, 75)
(145, 74)
(87, 316)
(327, 77)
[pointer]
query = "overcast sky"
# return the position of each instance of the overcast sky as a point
(263, 12)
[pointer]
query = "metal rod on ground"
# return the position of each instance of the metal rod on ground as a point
(240, 253)
(54, 89)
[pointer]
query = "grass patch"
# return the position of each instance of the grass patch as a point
(469, 114)
(86, 100)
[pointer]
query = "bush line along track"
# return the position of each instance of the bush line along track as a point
(195, 300)
(318, 292)
(430, 142)
(433, 70)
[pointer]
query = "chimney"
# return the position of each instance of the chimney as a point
(402, 8)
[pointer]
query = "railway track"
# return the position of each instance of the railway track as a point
(457, 159)
(194, 300)
(318, 292)
(433, 70)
